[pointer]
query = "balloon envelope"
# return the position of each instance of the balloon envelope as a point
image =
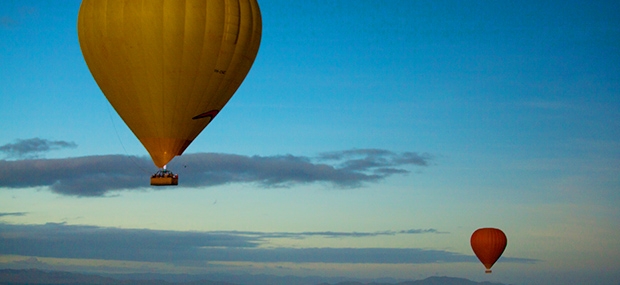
(488, 245)
(169, 66)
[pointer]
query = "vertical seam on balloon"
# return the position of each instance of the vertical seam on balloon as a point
(227, 13)
(197, 77)
(255, 37)
(208, 99)
(152, 95)
(241, 59)
(163, 70)
(237, 57)
(177, 130)
(227, 81)
(190, 89)
(203, 25)
(126, 65)
(141, 32)
(204, 100)
(238, 22)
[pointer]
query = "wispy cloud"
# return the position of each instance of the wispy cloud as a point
(16, 214)
(89, 242)
(32, 148)
(18, 16)
(330, 234)
(548, 105)
(6, 21)
(98, 175)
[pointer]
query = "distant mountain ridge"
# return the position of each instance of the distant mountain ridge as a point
(40, 277)
(434, 280)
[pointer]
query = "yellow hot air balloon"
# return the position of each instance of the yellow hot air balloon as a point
(169, 66)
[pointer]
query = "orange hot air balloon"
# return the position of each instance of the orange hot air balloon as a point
(488, 245)
(169, 66)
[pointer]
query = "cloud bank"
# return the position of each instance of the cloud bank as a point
(32, 148)
(98, 175)
(90, 242)
(16, 214)
(6, 21)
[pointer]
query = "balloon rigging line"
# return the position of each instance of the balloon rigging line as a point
(122, 145)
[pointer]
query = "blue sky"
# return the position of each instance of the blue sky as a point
(370, 138)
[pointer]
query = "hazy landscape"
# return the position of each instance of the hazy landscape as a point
(39, 277)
